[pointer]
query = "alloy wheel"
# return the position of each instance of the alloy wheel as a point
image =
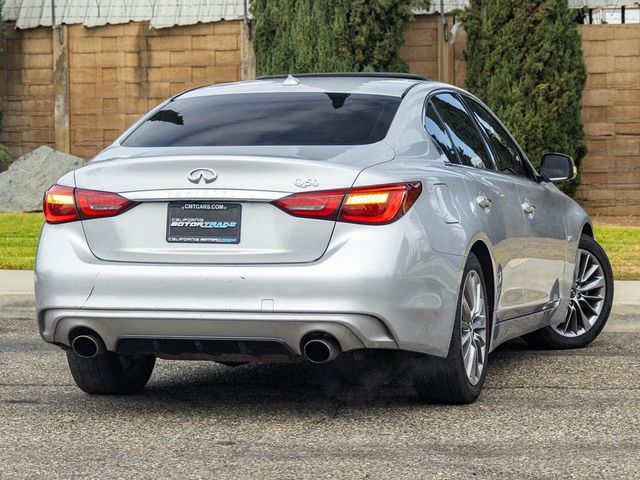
(587, 297)
(473, 322)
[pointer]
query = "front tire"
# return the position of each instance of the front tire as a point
(589, 305)
(111, 373)
(458, 378)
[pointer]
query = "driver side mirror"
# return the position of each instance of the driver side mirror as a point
(558, 167)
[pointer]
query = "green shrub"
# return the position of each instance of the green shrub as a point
(1, 44)
(5, 158)
(524, 59)
(294, 36)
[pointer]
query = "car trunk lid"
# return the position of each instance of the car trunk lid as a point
(245, 184)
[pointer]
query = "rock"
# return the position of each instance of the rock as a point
(26, 179)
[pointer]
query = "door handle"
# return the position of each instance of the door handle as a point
(483, 201)
(528, 208)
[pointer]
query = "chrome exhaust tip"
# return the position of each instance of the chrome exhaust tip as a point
(321, 350)
(87, 346)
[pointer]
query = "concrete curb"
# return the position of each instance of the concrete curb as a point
(16, 282)
(626, 292)
(20, 282)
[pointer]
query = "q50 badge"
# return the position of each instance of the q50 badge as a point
(309, 182)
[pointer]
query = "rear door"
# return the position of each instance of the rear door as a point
(543, 216)
(546, 243)
(495, 208)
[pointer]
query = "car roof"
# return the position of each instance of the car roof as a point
(390, 84)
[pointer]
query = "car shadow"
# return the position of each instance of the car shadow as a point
(347, 381)
(278, 388)
(342, 383)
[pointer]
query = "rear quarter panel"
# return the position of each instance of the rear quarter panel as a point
(437, 230)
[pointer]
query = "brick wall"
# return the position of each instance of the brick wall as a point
(611, 114)
(420, 49)
(26, 93)
(459, 40)
(116, 73)
(119, 72)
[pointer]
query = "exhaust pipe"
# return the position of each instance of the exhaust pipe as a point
(87, 346)
(321, 350)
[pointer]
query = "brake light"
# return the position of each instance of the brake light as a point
(66, 204)
(374, 205)
(59, 205)
(380, 204)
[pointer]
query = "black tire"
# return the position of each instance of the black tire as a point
(548, 338)
(233, 364)
(110, 373)
(444, 380)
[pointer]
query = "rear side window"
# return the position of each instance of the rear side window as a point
(268, 119)
(434, 127)
(464, 133)
(506, 153)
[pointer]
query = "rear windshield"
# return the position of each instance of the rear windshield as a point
(268, 119)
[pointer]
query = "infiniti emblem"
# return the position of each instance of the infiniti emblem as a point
(198, 174)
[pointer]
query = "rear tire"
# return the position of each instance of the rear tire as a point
(111, 373)
(450, 380)
(552, 337)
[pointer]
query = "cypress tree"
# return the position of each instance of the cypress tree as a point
(294, 36)
(524, 60)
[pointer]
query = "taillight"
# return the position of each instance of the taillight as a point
(323, 204)
(94, 204)
(59, 205)
(66, 204)
(377, 205)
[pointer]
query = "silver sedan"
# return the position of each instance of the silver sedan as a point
(302, 218)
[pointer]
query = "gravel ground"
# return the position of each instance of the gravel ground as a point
(572, 414)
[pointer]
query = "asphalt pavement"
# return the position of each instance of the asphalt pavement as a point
(542, 414)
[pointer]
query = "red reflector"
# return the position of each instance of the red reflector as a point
(59, 205)
(67, 204)
(94, 204)
(375, 205)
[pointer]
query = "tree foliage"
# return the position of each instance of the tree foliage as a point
(5, 158)
(1, 45)
(524, 59)
(294, 36)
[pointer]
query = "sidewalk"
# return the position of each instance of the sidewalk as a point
(16, 282)
(626, 292)
(20, 282)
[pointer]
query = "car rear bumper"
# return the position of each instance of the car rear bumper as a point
(394, 293)
(353, 331)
